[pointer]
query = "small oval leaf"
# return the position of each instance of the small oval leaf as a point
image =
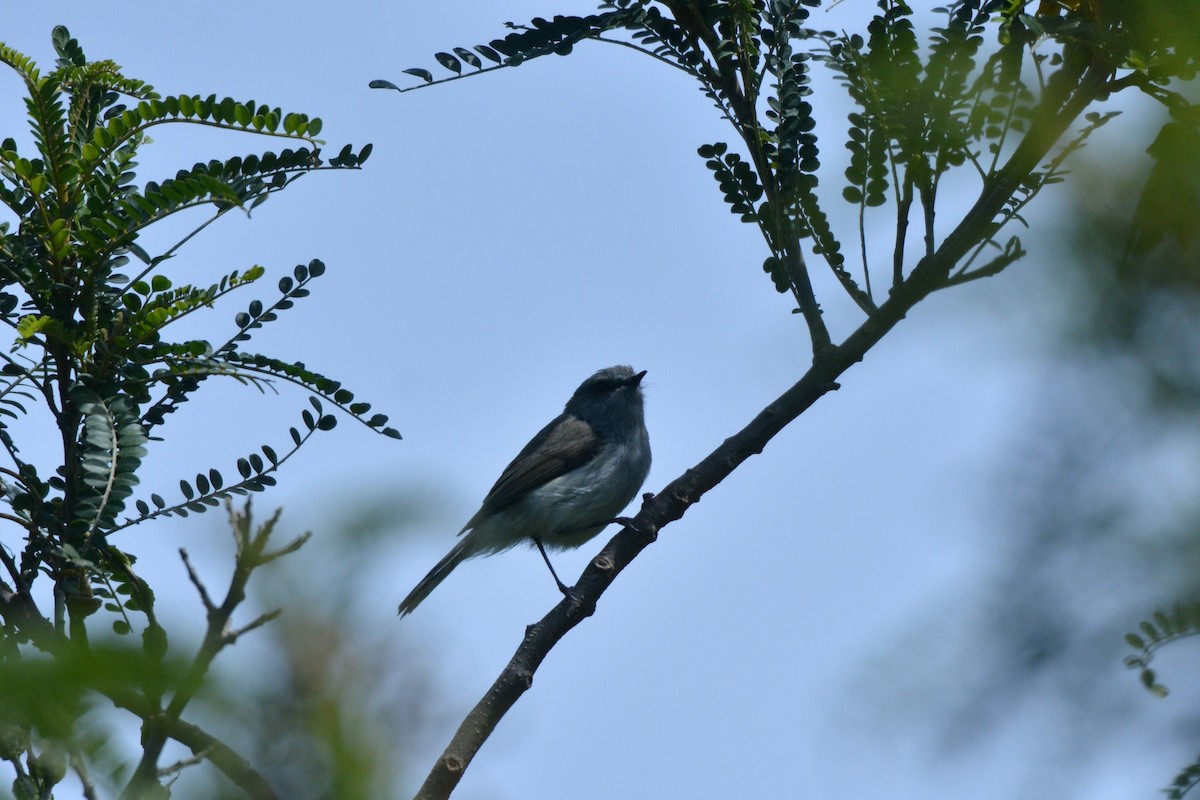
(423, 74)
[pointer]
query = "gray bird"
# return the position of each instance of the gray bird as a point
(568, 483)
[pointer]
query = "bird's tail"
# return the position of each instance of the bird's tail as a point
(460, 553)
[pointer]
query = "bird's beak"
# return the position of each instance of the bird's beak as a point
(636, 379)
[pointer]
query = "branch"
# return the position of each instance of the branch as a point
(10, 563)
(157, 726)
(209, 606)
(170, 251)
(21, 609)
(1012, 252)
(196, 739)
(1058, 111)
(903, 204)
(810, 309)
(86, 786)
(182, 764)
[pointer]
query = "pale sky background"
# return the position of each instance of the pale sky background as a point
(511, 234)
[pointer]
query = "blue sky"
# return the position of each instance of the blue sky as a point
(510, 235)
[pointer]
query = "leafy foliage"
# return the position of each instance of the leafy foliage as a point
(111, 453)
(922, 111)
(1184, 782)
(541, 37)
(1163, 628)
(92, 350)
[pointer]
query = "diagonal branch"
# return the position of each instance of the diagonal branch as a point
(200, 742)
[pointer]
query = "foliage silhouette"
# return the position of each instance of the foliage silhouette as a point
(91, 353)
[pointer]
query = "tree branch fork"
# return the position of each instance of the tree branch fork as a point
(161, 723)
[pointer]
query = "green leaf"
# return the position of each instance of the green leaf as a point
(449, 62)
(423, 74)
(469, 57)
(488, 53)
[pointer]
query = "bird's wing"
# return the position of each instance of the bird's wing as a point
(565, 444)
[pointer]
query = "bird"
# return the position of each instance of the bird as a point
(566, 485)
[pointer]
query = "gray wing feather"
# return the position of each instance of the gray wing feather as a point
(565, 444)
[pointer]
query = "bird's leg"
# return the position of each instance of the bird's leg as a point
(562, 587)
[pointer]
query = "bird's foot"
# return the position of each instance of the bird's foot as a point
(573, 597)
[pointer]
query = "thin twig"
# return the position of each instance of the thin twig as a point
(85, 781)
(183, 763)
(263, 619)
(993, 267)
(643, 51)
(928, 196)
(170, 252)
(862, 246)
(209, 606)
(903, 204)
(10, 564)
(196, 739)
(793, 265)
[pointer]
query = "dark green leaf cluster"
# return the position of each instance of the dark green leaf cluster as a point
(91, 342)
(208, 490)
(556, 36)
(742, 192)
(793, 137)
(1006, 100)
(918, 116)
(925, 106)
(1185, 781)
(736, 178)
(1158, 39)
(1161, 629)
(122, 592)
(791, 149)
(179, 367)
(728, 47)
(661, 37)
(256, 314)
(296, 372)
(111, 452)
